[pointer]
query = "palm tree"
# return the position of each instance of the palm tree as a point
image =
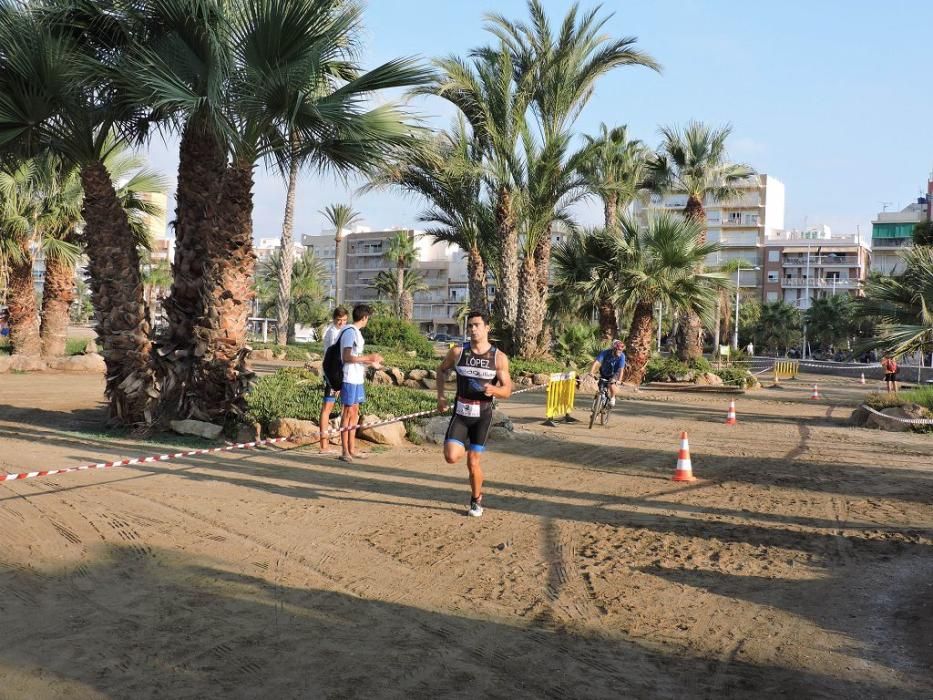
(401, 252)
(778, 327)
(341, 217)
(308, 302)
(252, 81)
(447, 173)
(56, 72)
(585, 284)
(658, 263)
(401, 290)
(831, 320)
(17, 222)
(614, 169)
(693, 161)
(903, 306)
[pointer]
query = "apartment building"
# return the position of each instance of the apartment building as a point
(800, 266)
(892, 232)
(324, 247)
(741, 225)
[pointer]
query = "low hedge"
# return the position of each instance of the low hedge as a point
(297, 393)
(881, 400)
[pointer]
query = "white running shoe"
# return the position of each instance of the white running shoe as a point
(476, 508)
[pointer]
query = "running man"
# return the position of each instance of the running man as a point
(354, 374)
(331, 334)
(482, 375)
(610, 363)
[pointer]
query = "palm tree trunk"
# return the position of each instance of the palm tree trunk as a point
(21, 299)
(284, 297)
(400, 291)
(690, 336)
(476, 269)
(221, 376)
(608, 326)
(530, 315)
(201, 166)
(117, 294)
(57, 295)
(408, 306)
(609, 210)
(640, 342)
(507, 293)
(338, 239)
(716, 335)
(542, 264)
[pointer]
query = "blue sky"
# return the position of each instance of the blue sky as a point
(831, 97)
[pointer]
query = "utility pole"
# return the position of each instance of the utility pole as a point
(806, 299)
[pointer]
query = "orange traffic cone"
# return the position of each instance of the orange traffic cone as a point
(730, 417)
(862, 379)
(684, 471)
(816, 393)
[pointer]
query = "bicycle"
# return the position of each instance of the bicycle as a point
(601, 403)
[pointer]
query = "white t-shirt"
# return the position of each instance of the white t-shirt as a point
(355, 372)
(331, 333)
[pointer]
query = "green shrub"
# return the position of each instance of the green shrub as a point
(75, 346)
(295, 352)
(733, 376)
(920, 395)
(395, 333)
(517, 365)
(663, 369)
(296, 393)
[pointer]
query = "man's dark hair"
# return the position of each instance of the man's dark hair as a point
(340, 312)
(478, 314)
(361, 311)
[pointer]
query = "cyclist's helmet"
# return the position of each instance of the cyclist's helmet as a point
(618, 345)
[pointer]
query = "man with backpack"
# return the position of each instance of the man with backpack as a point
(345, 369)
(330, 394)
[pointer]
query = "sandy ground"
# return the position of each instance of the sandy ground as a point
(798, 565)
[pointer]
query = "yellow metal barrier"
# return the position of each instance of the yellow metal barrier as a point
(561, 391)
(786, 369)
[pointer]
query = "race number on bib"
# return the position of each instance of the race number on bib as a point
(468, 410)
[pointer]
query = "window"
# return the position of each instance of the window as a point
(773, 276)
(772, 296)
(774, 256)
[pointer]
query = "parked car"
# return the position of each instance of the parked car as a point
(442, 338)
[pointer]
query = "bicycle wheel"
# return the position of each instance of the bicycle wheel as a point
(606, 409)
(595, 409)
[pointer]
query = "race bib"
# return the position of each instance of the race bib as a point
(468, 410)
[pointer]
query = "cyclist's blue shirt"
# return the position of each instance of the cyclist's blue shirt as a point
(609, 364)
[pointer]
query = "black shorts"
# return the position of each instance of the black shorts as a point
(470, 431)
(330, 395)
(890, 377)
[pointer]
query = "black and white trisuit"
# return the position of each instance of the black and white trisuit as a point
(472, 416)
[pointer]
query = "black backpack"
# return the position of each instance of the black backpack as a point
(333, 363)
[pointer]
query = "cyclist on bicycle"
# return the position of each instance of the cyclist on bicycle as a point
(610, 363)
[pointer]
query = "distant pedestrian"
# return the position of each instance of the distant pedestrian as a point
(331, 334)
(889, 365)
(354, 374)
(750, 349)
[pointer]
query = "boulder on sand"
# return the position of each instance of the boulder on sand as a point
(390, 434)
(293, 428)
(198, 428)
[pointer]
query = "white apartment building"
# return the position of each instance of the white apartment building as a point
(893, 231)
(741, 225)
(265, 247)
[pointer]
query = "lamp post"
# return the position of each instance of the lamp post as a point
(738, 284)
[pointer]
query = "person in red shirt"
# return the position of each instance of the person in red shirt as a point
(889, 365)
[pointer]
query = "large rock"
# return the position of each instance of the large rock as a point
(294, 428)
(198, 428)
(381, 378)
(429, 383)
(390, 434)
(540, 378)
(888, 421)
(859, 417)
(500, 420)
(20, 363)
(398, 376)
(686, 377)
(418, 374)
(315, 367)
(90, 347)
(85, 363)
(264, 354)
(248, 433)
(435, 429)
(709, 378)
(432, 374)
(412, 384)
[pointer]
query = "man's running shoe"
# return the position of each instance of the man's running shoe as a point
(476, 507)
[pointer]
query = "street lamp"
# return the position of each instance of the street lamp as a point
(738, 284)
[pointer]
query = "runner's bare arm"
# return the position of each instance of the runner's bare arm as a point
(447, 364)
(504, 389)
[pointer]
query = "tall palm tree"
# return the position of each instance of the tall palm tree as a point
(658, 263)
(614, 169)
(693, 161)
(401, 290)
(447, 173)
(341, 217)
(903, 305)
(17, 223)
(56, 72)
(402, 253)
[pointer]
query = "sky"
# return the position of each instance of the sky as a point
(832, 98)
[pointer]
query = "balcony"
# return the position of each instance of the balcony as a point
(820, 283)
(821, 261)
(746, 222)
(877, 243)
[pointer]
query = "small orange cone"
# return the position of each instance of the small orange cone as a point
(816, 393)
(684, 471)
(730, 417)
(862, 380)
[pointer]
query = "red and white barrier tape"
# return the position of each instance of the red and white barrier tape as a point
(225, 448)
